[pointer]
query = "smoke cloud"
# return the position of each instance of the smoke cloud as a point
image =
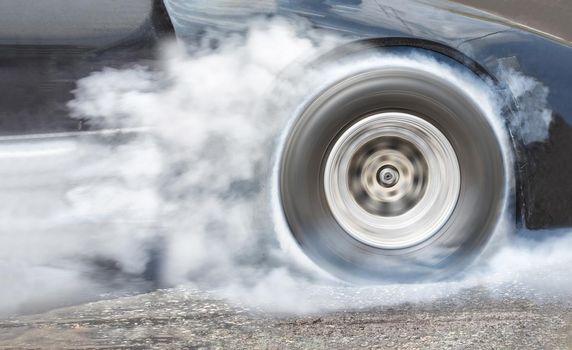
(184, 194)
(531, 118)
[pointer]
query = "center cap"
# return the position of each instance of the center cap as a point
(388, 176)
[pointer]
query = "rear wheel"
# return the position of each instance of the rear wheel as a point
(392, 174)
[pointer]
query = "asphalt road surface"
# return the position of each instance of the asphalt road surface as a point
(183, 318)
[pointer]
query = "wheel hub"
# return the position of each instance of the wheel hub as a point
(392, 180)
(388, 176)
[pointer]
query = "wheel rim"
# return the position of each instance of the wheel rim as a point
(392, 180)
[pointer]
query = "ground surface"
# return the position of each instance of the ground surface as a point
(180, 318)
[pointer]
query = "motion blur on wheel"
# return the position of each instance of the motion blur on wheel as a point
(395, 174)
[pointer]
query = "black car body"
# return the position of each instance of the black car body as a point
(45, 47)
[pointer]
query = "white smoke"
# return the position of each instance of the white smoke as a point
(532, 117)
(191, 183)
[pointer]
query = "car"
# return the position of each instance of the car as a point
(394, 172)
